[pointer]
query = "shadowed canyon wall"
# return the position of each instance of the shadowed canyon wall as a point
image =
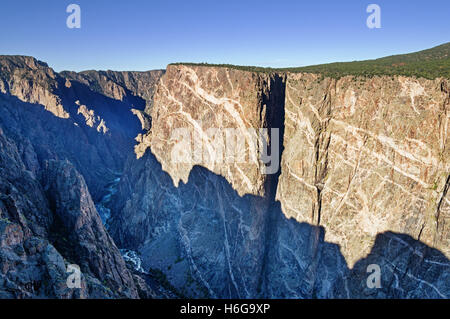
(363, 160)
(363, 179)
(61, 142)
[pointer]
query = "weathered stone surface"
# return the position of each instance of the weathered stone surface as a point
(364, 156)
(31, 81)
(364, 165)
(202, 98)
(120, 85)
(364, 180)
(86, 240)
(98, 128)
(30, 266)
(47, 217)
(207, 241)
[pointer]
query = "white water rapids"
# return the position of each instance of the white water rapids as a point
(128, 255)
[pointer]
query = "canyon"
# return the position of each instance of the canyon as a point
(87, 178)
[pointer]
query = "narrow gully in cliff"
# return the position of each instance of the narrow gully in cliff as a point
(274, 100)
(271, 101)
(444, 194)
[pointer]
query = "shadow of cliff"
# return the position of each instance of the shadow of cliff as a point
(96, 155)
(116, 112)
(244, 247)
(202, 239)
(274, 100)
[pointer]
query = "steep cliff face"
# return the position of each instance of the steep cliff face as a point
(367, 155)
(363, 159)
(45, 226)
(212, 117)
(91, 126)
(126, 85)
(31, 81)
(362, 156)
(78, 230)
(364, 179)
(61, 141)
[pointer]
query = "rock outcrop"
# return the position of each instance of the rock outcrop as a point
(88, 125)
(120, 85)
(362, 156)
(39, 238)
(367, 155)
(60, 141)
(363, 180)
(221, 111)
(31, 81)
(78, 229)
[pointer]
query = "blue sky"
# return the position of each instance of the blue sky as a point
(144, 35)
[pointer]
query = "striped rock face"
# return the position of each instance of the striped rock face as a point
(361, 156)
(366, 156)
(214, 117)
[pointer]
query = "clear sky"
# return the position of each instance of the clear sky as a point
(149, 34)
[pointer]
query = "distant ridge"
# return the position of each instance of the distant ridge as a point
(431, 63)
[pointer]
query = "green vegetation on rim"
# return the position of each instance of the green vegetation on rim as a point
(429, 64)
